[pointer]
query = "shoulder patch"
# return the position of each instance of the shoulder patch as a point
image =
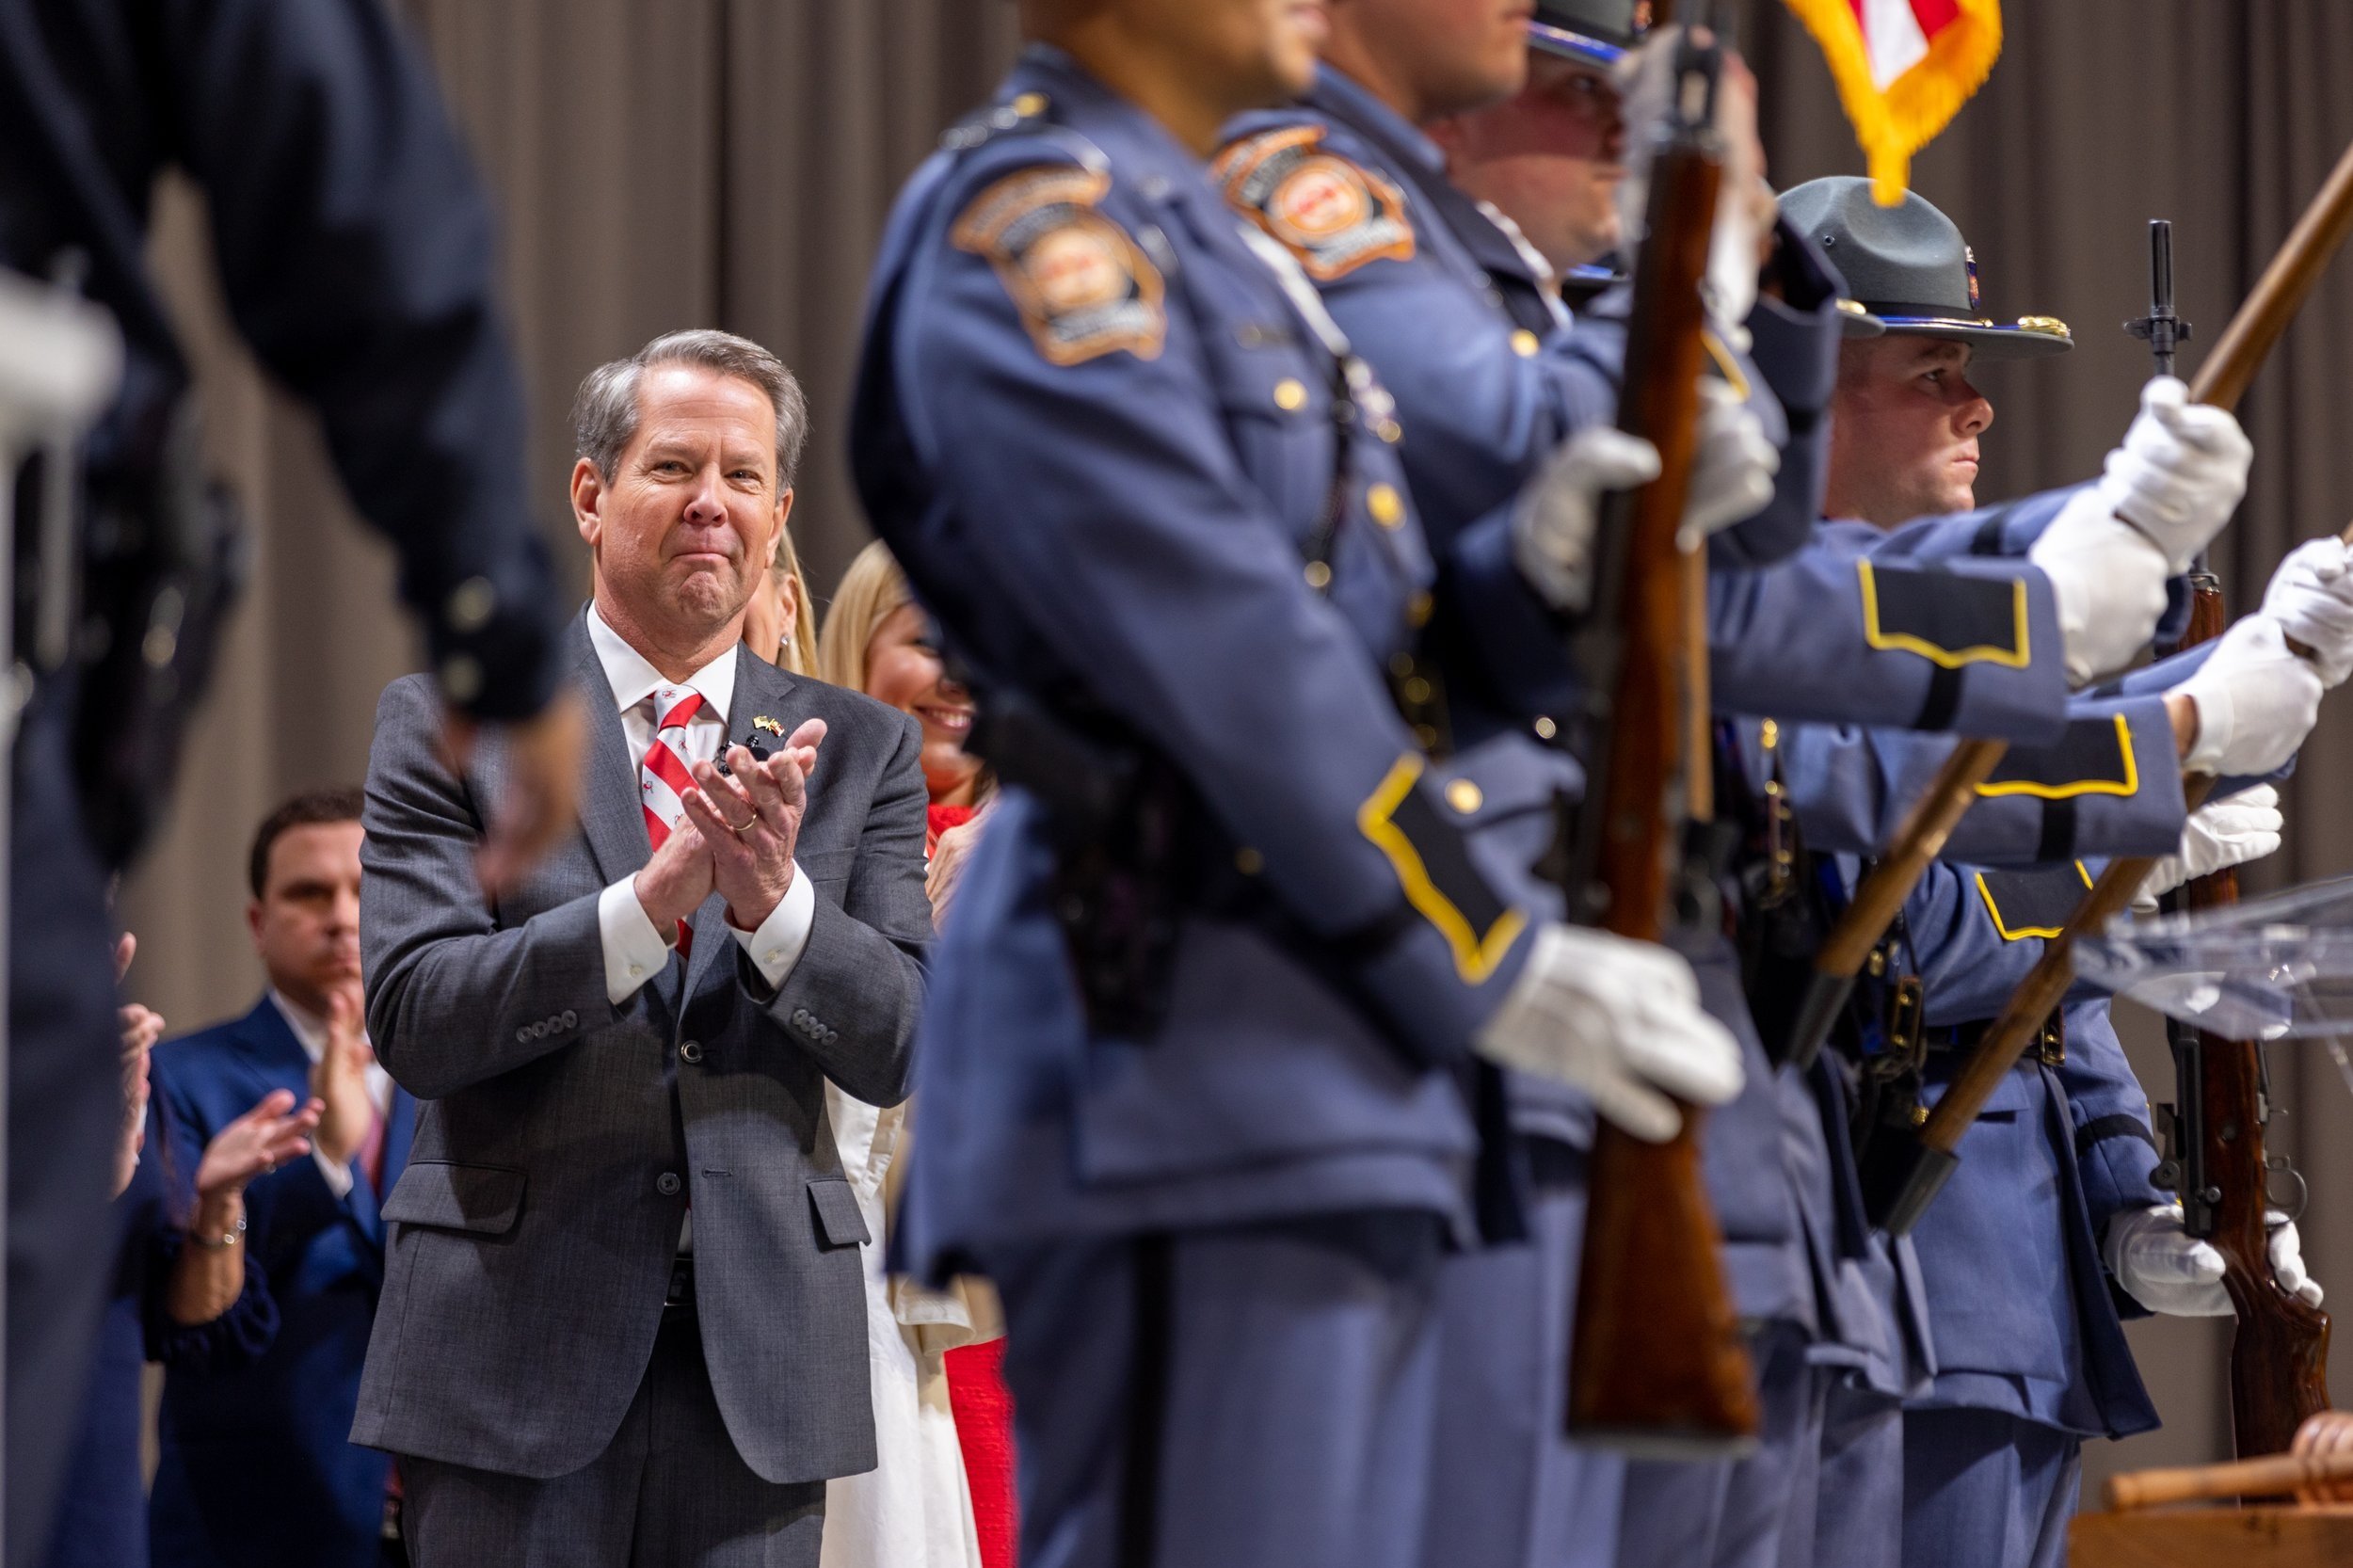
(1084, 287)
(1331, 213)
(2034, 903)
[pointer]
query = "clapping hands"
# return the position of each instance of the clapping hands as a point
(738, 836)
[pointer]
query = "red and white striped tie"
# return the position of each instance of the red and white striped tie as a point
(664, 779)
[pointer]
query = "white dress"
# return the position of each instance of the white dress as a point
(914, 1508)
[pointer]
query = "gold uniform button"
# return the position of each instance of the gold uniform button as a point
(1464, 796)
(1525, 344)
(1030, 105)
(1417, 610)
(1770, 736)
(1289, 395)
(1389, 431)
(1388, 507)
(1249, 862)
(1319, 575)
(1546, 728)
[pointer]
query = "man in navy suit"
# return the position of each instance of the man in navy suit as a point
(258, 1468)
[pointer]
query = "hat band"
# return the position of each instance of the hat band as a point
(1544, 34)
(1958, 315)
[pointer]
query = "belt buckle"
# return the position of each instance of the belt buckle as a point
(2050, 1042)
(1907, 1042)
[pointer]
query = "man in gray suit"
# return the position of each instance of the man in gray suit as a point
(623, 1320)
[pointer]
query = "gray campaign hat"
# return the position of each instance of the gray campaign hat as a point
(1909, 267)
(1594, 31)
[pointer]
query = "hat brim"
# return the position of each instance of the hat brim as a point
(1856, 322)
(1987, 339)
(1571, 45)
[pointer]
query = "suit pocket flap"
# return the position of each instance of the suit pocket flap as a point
(484, 1199)
(838, 1218)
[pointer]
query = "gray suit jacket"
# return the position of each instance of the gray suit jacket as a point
(561, 1137)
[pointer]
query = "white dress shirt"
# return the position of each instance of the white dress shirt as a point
(635, 950)
(312, 1032)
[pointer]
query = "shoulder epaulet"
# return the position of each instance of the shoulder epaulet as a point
(1023, 116)
(1331, 211)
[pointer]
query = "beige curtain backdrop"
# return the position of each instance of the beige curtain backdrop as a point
(673, 163)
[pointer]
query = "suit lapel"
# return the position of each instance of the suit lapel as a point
(273, 1056)
(762, 691)
(611, 815)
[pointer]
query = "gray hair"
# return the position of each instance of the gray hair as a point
(604, 412)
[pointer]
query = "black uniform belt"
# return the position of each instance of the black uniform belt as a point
(2047, 1049)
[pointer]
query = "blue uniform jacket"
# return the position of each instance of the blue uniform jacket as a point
(355, 253)
(2025, 1319)
(1458, 315)
(1099, 426)
(258, 1467)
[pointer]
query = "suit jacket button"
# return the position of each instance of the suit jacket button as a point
(522, 1035)
(571, 1019)
(691, 1052)
(666, 1184)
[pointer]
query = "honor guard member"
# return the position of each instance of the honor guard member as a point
(1209, 1048)
(355, 251)
(1905, 443)
(1351, 183)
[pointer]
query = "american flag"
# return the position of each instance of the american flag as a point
(1904, 68)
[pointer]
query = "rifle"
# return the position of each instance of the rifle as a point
(2214, 1131)
(1899, 1185)
(1657, 1363)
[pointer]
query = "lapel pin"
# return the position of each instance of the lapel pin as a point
(763, 721)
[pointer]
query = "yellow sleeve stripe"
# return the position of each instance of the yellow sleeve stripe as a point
(1476, 956)
(2017, 656)
(2127, 787)
(2025, 931)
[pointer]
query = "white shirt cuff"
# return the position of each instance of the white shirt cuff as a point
(338, 1177)
(775, 947)
(634, 952)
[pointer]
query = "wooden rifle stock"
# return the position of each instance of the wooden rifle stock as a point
(1657, 1363)
(2222, 379)
(2280, 1344)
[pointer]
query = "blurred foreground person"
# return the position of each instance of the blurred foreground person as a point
(1208, 1076)
(354, 248)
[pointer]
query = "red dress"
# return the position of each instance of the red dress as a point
(976, 1385)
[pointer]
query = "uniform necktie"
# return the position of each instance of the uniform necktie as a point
(664, 779)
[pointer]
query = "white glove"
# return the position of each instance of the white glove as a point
(2180, 473)
(1732, 469)
(2166, 1270)
(2312, 598)
(2107, 582)
(2219, 834)
(1619, 1019)
(2257, 698)
(1554, 521)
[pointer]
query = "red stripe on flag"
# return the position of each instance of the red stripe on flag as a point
(1934, 16)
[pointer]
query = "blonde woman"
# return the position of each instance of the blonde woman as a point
(778, 626)
(878, 640)
(913, 1510)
